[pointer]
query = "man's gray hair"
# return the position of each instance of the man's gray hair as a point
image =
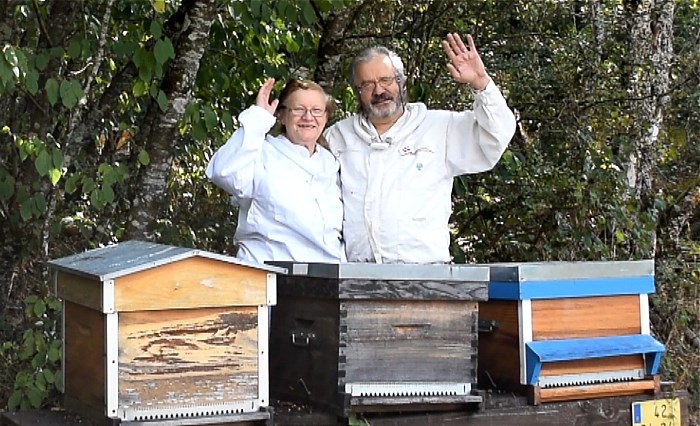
(371, 53)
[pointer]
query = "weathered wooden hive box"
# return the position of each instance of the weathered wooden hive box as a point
(366, 337)
(570, 330)
(155, 332)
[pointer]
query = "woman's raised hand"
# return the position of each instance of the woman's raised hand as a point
(263, 98)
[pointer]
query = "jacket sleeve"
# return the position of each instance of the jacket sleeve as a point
(477, 139)
(233, 166)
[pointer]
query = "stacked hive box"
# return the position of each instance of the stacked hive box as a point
(155, 332)
(570, 330)
(367, 337)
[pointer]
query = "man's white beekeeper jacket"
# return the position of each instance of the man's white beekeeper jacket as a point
(289, 202)
(397, 187)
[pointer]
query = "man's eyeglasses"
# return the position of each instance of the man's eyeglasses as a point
(301, 111)
(369, 86)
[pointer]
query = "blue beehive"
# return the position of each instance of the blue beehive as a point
(569, 330)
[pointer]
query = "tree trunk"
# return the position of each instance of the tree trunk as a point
(331, 47)
(649, 61)
(159, 135)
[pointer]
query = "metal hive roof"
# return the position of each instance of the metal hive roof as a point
(570, 270)
(402, 271)
(133, 256)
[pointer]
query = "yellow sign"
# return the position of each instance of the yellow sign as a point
(658, 412)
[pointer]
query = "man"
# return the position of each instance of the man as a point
(398, 159)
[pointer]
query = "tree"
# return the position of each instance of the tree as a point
(81, 82)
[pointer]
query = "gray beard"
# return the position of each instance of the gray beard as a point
(373, 112)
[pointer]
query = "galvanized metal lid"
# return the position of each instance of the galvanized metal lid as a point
(374, 271)
(132, 256)
(562, 270)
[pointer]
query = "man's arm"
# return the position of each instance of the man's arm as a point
(475, 139)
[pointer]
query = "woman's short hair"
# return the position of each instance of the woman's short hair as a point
(294, 85)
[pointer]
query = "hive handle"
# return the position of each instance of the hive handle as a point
(413, 325)
(302, 338)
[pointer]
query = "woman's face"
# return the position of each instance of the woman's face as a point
(304, 117)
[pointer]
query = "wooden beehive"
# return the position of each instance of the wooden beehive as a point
(570, 330)
(154, 332)
(368, 337)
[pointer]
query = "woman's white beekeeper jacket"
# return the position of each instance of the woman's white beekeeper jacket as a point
(397, 188)
(289, 202)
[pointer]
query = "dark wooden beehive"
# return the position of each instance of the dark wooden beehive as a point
(369, 337)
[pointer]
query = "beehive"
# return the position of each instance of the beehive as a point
(152, 332)
(365, 337)
(570, 330)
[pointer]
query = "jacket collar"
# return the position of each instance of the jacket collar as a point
(412, 117)
(316, 164)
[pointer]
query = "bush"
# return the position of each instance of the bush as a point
(34, 358)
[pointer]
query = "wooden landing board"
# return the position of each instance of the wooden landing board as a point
(581, 366)
(573, 350)
(602, 390)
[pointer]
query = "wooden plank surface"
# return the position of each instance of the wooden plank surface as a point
(594, 347)
(352, 289)
(570, 318)
(194, 282)
(404, 341)
(557, 288)
(601, 390)
(414, 403)
(188, 357)
(498, 357)
(615, 363)
(412, 290)
(304, 352)
(84, 355)
(78, 289)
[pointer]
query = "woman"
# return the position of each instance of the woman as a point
(286, 186)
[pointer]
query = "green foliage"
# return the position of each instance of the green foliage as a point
(355, 419)
(678, 280)
(561, 193)
(74, 112)
(35, 356)
(252, 41)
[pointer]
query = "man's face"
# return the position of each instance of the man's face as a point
(379, 90)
